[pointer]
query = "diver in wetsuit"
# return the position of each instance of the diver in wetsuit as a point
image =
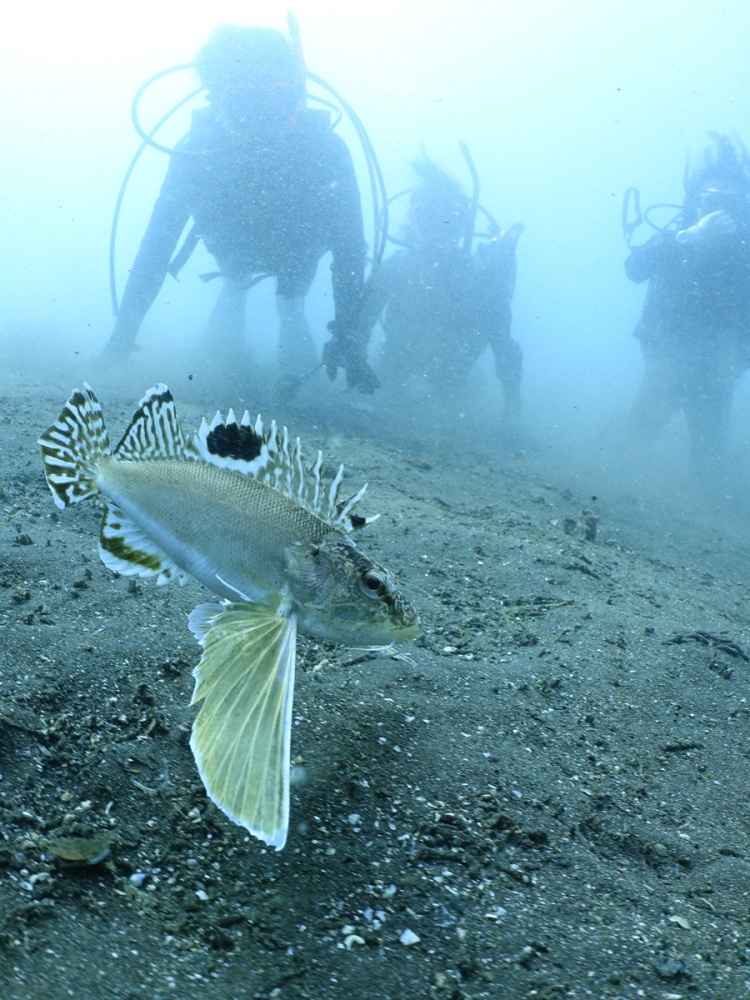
(695, 325)
(270, 189)
(440, 305)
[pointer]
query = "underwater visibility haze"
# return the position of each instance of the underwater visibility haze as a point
(543, 793)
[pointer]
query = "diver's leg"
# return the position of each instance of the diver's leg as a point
(658, 398)
(297, 354)
(709, 405)
(708, 425)
(225, 330)
(509, 368)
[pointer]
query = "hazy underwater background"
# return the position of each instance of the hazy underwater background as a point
(563, 107)
(546, 795)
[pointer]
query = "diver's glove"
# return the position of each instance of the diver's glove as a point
(361, 377)
(501, 245)
(709, 230)
(342, 351)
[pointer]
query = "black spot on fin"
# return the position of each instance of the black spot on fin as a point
(233, 441)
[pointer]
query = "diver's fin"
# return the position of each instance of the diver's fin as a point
(241, 734)
(270, 456)
(72, 447)
(155, 431)
(126, 549)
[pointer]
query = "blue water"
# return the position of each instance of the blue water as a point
(562, 106)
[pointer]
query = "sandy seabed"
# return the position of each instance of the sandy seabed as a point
(545, 795)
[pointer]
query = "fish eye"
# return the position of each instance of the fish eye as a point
(373, 583)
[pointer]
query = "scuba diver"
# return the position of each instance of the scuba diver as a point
(438, 303)
(270, 189)
(695, 325)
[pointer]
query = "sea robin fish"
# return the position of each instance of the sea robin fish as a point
(236, 508)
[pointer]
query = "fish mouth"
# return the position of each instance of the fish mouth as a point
(402, 623)
(405, 632)
(377, 638)
(393, 635)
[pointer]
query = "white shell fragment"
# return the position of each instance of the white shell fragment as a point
(408, 938)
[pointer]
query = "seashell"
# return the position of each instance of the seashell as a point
(80, 851)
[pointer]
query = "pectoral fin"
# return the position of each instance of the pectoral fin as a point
(241, 734)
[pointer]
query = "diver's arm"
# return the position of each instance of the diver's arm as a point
(347, 238)
(379, 290)
(709, 232)
(149, 269)
(347, 347)
(508, 358)
(646, 261)
(494, 268)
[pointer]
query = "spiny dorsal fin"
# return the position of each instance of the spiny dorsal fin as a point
(269, 456)
(155, 431)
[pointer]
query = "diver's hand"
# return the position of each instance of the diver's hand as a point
(334, 356)
(361, 377)
(709, 230)
(342, 352)
(714, 227)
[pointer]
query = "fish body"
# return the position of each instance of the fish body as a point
(236, 508)
(225, 529)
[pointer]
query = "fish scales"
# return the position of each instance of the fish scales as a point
(215, 522)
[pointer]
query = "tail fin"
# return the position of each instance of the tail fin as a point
(72, 447)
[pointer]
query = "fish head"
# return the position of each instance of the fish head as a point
(343, 595)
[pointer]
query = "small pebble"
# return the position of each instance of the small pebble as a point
(299, 775)
(408, 938)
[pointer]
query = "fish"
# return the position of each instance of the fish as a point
(237, 508)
